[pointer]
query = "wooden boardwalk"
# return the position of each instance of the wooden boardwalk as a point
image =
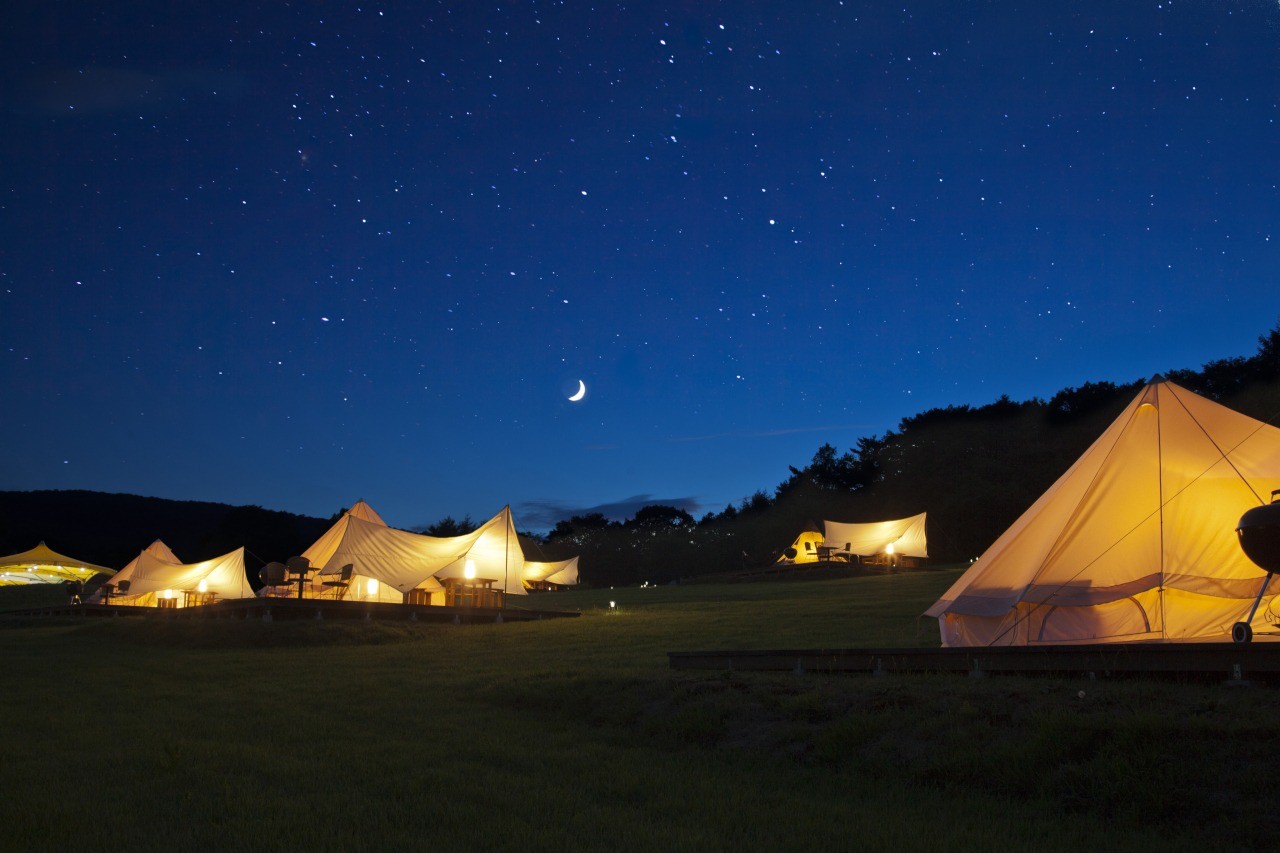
(273, 609)
(1238, 662)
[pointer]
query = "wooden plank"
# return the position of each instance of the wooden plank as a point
(1228, 661)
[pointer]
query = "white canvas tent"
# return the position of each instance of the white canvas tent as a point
(1136, 541)
(42, 564)
(902, 537)
(157, 549)
(389, 563)
(560, 573)
(153, 577)
(319, 553)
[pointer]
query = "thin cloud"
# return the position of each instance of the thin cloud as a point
(544, 514)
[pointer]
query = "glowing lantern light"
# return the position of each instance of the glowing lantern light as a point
(371, 587)
(469, 570)
(888, 549)
(203, 586)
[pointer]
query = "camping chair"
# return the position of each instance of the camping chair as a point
(299, 566)
(122, 588)
(74, 590)
(272, 575)
(340, 586)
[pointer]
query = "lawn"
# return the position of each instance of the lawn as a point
(575, 733)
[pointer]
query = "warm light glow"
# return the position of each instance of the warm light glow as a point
(203, 586)
(168, 593)
(1147, 406)
(469, 571)
(371, 587)
(888, 549)
(612, 604)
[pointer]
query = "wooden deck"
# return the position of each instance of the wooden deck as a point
(272, 609)
(1256, 661)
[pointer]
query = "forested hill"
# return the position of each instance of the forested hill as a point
(110, 529)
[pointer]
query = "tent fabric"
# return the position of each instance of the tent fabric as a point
(562, 573)
(1135, 541)
(805, 545)
(906, 535)
(406, 561)
(42, 564)
(157, 549)
(153, 577)
(323, 548)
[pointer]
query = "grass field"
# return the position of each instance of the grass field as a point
(574, 733)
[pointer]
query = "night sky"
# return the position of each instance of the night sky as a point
(296, 255)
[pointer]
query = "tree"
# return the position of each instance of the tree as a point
(660, 516)
(447, 527)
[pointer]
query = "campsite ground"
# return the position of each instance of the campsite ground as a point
(574, 733)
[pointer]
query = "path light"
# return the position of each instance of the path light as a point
(613, 605)
(469, 570)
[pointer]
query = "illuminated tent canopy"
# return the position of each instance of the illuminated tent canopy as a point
(44, 565)
(546, 575)
(898, 537)
(902, 536)
(389, 564)
(399, 561)
(1136, 541)
(153, 577)
(157, 549)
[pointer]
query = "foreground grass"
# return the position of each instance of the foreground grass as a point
(575, 734)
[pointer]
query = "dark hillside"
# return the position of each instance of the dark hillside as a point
(110, 529)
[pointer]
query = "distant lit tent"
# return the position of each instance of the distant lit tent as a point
(44, 565)
(323, 548)
(156, 549)
(396, 565)
(156, 582)
(879, 541)
(1136, 541)
(805, 548)
(874, 541)
(542, 576)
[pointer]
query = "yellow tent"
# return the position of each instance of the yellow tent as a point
(1136, 541)
(805, 548)
(44, 565)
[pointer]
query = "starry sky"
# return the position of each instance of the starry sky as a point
(298, 254)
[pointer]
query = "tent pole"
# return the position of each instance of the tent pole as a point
(1164, 628)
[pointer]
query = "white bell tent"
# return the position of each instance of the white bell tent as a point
(1136, 541)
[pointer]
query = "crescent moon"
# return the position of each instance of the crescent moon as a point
(582, 392)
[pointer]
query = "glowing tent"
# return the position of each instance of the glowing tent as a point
(901, 537)
(366, 589)
(390, 565)
(44, 565)
(1136, 541)
(156, 582)
(550, 575)
(157, 549)
(805, 548)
